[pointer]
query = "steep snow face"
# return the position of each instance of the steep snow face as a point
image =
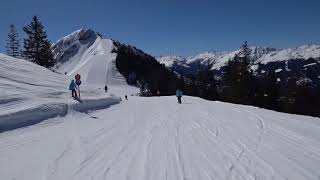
(73, 44)
(87, 53)
(259, 54)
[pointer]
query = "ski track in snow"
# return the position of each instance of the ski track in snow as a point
(155, 138)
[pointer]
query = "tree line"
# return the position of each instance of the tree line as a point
(36, 46)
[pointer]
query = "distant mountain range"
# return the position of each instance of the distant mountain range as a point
(260, 55)
(303, 61)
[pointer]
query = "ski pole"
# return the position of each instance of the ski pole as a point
(79, 91)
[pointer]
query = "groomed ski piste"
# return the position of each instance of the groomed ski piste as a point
(46, 135)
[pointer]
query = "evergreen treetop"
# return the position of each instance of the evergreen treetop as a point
(13, 42)
(36, 45)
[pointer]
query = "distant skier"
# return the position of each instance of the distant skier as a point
(73, 88)
(179, 95)
(126, 97)
(106, 88)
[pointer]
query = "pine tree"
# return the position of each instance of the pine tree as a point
(238, 80)
(245, 52)
(36, 45)
(47, 60)
(13, 42)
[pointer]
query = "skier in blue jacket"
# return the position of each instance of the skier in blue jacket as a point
(73, 88)
(179, 95)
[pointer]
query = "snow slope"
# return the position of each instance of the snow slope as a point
(21, 81)
(155, 138)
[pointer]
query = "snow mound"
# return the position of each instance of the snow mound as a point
(23, 82)
(31, 115)
(94, 104)
(34, 115)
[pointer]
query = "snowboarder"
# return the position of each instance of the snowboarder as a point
(106, 88)
(73, 88)
(126, 97)
(179, 95)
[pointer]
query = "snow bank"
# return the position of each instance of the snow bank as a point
(36, 114)
(31, 116)
(95, 104)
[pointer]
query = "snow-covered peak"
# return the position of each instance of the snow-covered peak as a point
(170, 60)
(209, 57)
(79, 35)
(301, 52)
(87, 53)
(69, 46)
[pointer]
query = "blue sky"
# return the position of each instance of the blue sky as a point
(182, 27)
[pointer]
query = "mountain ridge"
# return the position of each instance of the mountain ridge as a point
(260, 54)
